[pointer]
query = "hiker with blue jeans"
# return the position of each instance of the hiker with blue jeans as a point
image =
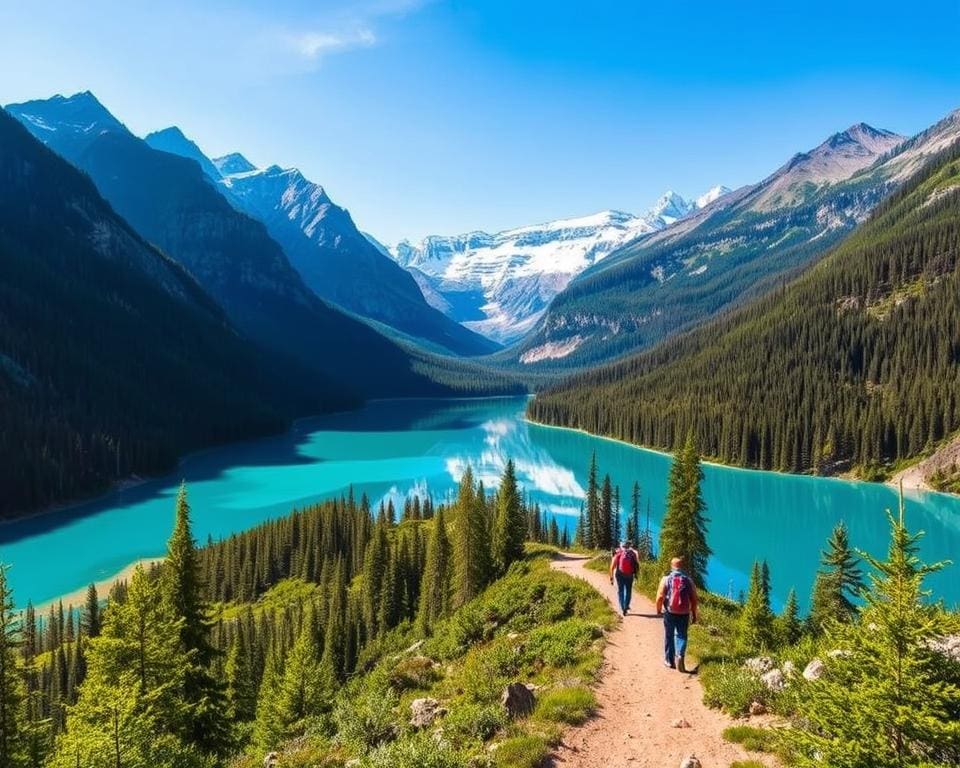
(677, 601)
(624, 565)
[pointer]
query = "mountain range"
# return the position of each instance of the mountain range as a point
(735, 248)
(324, 245)
(501, 284)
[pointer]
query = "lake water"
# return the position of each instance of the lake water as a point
(396, 448)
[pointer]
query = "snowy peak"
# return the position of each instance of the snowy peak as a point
(174, 141)
(80, 113)
(671, 206)
(711, 195)
(234, 163)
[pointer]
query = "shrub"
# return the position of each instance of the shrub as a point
(367, 718)
(751, 738)
(414, 672)
(571, 705)
(485, 671)
(477, 721)
(522, 752)
(561, 644)
(732, 688)
(416, 751)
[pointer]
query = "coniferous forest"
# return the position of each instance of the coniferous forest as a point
(856, 364)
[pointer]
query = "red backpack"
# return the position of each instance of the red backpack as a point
(627, 562)
(677, 593)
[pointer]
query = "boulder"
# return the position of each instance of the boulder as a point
(691, 762)
(759, 664)
(774, 680)
(271, 760)
(813, 670)
(517, 700)
(839, 653)
(424, 711)
(756, 708)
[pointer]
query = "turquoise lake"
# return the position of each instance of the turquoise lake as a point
(396, 448)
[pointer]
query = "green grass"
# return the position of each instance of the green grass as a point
(570, 705)
(747, 764)
(521, 752)
(751, 738)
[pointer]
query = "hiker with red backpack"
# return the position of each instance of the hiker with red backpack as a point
(677, 601)
(624, 566)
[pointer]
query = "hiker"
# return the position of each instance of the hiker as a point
(624, 565)
(677, 601)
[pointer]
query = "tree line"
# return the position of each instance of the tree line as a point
(854, 364)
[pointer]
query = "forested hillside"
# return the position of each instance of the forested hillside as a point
(113, 361)
(855, 364)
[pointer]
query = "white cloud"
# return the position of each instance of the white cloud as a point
(313, 45)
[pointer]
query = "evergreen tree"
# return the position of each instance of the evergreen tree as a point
(182, 589)
(12, 725)
(435, 587)
(683, 533)
(645, 539)
(607, 525)
(837, 584)
(303, 692)
(90, 623)
(471, 543)
(593, 538)
(787, 627)
(755, 628)
(509, 529)
(241, 693)
(268, 726)
(893, 698)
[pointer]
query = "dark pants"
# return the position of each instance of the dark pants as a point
(675, 626)
(624, 590)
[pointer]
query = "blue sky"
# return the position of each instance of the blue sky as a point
(446, 116)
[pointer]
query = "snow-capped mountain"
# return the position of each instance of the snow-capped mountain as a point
(500, 284)
(321, 241)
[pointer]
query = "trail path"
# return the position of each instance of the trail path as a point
(639, 698)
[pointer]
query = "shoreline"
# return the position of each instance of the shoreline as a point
(77, 597)
(892, 482)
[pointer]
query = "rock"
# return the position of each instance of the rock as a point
(839, 653)
(759, 664)
(679, 723)
(948, 645)
(813, 670)
(415, 647)
(788, 668)
(270, 760)
(424, 711)
(756, 708)
(517, 700)
(352, 763)
(774, 680)
(691, 762)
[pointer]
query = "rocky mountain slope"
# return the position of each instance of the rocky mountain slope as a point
(169, 201)
(321, 241)
(734, 248)
(501, 284)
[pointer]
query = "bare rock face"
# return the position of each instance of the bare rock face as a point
(774, 680)
(424, 711)
(759, 664)
(813, 670)
(691, 762)
(517, 700)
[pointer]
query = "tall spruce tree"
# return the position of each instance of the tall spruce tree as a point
(471, 542)
(509, 530)
(12, 724)
(90, 622)
(755, 628)
(787, 627)
(593, 537)
(435, 587)
(892, 699)
(183, 590)
(303, 693)
(684, 530)
(838, 583)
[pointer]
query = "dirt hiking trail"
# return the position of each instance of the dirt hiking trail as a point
(639, 698)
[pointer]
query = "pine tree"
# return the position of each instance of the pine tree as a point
(471, 543)
(182, 589)
(893, 698)
(837, 584)
(241, 693)
(788, 627)
(90, 623)
(303, 692)
(435, 586)
(268, 727)
(607, 531)
(592, 528)
(755, 628)
(12, 725)
(683, 533)
(509, 529)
